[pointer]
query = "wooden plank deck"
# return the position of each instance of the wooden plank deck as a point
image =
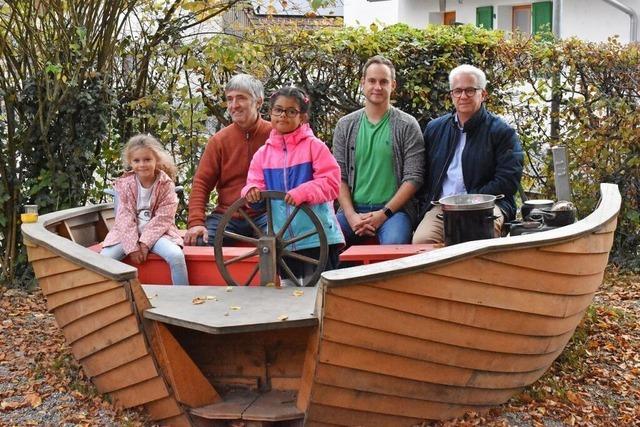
(232, 309)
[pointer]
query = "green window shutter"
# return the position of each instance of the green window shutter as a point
(541, 13)
(484, 17)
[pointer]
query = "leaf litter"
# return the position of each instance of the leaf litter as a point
(594, 382)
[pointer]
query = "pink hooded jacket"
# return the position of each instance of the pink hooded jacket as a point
(164, 203)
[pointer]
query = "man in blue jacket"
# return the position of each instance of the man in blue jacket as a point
(469, 151)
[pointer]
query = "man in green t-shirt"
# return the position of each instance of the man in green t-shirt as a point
(380, 151)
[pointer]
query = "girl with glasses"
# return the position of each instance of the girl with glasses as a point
(297, 163)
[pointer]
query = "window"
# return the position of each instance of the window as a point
(521, 19)
(542, 12)
(484, 17)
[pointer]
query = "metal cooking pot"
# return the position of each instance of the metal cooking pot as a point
(467, 217)
(467, 202)
(529, 205)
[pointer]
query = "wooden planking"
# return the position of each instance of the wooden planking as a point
(53, 266)
(95, 321)
(43, 233)
(388, 405)
(415, 348)
(187, 381)
(486, 271)
(126, 375)
(481, 294)
(563, 263)
(309, 423)
(177, 421)
(60, 298)
(141, 393)
(389, 320)
(81, 308)
(308, 369)
(273, 406)
(230, 408)
(69, 280)
(64, 230)
(105, 337)
(608, 227)
(285, 383)
(401, 387)
(234, 356)
(35, 253)
(115, 355)
(166, 407)
(325, 415)
(491, 318)
(403, 367)
(595, 243)
(83, 234)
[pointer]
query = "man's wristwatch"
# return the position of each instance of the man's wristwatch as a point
(388, 212)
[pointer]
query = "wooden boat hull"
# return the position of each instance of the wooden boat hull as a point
(426, 337)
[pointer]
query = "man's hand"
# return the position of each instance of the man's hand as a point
(253, 195)
(192, 234)
(360, 224)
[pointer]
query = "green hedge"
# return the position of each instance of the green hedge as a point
(171, 86)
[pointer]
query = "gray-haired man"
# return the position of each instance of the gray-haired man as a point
(225, 162)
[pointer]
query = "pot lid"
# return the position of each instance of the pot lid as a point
(464, 202)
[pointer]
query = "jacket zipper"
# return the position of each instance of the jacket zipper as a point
(286, 186)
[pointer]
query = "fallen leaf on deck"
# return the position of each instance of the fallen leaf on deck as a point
(198, 300)
(298, 293)
(229, 288)
(270, 285)
(212, 297)
(234, 308)
(283, 317)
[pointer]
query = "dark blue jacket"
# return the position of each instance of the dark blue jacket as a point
(491, 161)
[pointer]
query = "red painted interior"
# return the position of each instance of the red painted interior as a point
(204, 271)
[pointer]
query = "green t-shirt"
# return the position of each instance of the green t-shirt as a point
(375, 179)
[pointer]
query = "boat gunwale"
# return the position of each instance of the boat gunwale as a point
(37, 233)
(607, 210)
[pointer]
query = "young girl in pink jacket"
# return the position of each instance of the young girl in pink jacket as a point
(297, 163)
(146, 209)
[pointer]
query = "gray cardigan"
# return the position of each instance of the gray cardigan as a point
(408, 151)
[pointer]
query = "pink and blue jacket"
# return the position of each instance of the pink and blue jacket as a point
(300, 164)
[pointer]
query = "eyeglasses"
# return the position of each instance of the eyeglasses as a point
(469, 91)
(290, 112)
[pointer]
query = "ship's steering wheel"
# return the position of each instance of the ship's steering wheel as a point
(271, 247)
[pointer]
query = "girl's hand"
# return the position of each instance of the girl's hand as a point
(136, 257)
(253, 195)
(144, 251)
(289, 199)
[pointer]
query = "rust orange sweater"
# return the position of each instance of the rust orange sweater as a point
(224, 166)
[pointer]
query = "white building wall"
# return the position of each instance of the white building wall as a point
(596, 20)
(592, 20)
(416, 12)
(363, 12)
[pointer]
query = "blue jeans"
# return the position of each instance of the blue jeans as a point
(165, 249)
(395, 230)
(238, 226)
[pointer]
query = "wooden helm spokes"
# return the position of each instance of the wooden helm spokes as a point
(272, 248)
